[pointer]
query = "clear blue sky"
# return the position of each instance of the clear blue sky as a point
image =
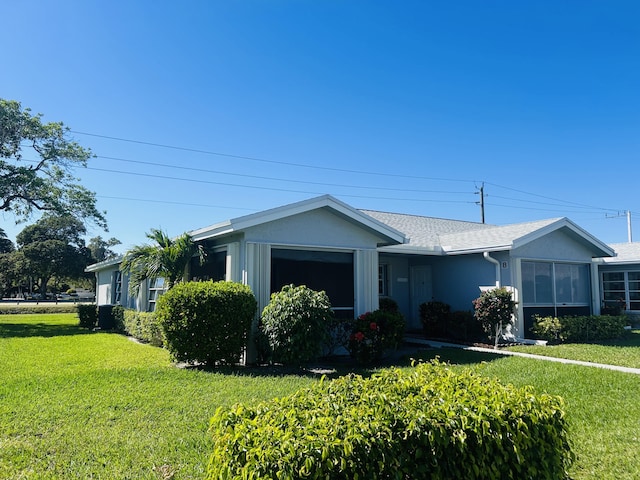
(539, 100)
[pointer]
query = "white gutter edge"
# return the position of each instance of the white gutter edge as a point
(489, 258)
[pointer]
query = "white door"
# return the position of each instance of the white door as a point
(421, 291)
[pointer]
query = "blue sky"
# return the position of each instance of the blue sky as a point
(395, 106)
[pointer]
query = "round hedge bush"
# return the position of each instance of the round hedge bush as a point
(295, 324)
(206, 322)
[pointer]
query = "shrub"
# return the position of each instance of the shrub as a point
(144, 326)
(87, 316)
(425, 423)
(434, 316)
(374, 334)
(494, 308)
(40, 309)
(117, 312)
(206, 322)
(296, 323)
(462, 325)
(387, 304)
(590, 328)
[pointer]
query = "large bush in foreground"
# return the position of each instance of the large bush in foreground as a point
(585, 328)
(424, 423)
(295, 324)
(206, 322)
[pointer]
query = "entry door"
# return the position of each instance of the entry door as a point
(421, 291)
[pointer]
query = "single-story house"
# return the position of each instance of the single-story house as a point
(359, 256)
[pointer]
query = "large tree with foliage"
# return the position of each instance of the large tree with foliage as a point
(101, 249)
(167, 258)
(53, 246)
(36, 167)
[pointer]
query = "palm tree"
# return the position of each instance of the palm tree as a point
(167, 259)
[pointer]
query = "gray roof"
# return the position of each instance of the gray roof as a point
(441, 236)
(625, 253)
(424, 232)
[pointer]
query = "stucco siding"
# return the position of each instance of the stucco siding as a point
(314, 228)
(555, 246)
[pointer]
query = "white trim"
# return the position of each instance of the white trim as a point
(241, 223)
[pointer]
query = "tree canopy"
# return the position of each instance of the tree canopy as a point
(101, 249)
(53, 246)
(36, 167)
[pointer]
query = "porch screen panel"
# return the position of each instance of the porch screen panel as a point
(319, 270)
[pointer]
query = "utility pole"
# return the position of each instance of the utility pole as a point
(481, 202)
(626, 213)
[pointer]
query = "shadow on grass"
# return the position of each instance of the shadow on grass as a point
(26, 330)
(338, 366)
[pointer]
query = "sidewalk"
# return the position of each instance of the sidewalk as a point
(434, 344)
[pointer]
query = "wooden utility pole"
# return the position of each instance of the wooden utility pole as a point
(481, 202)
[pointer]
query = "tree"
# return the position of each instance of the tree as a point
(101, 249)
(167, 259)
(46, 182)
(6, 245)
(53, 246)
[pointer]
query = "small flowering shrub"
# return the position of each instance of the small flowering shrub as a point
(494, 307)
(375, 333)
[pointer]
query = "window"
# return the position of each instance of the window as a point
(118, 288)
(383, 280)
(319, 270)
(156, 289)
(549, 283)
(621, 287)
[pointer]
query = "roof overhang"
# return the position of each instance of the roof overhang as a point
(96, 267)
(389, 235)
(599, 248)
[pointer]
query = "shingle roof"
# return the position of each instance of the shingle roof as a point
(424, 231)
(625, 252)
(442, 236)
(494, 237)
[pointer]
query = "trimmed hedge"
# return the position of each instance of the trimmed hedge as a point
(206, 322)
(41, 308)
(591, 328)
(296, 324)
(144, 326)
(425, 423)
(87, 316)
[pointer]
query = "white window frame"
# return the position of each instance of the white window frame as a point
(383, 279)
(554, 293)
(157, 287)
(626, 292)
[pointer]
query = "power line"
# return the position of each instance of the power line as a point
(277, 162)
(211, 182)
(261, 177)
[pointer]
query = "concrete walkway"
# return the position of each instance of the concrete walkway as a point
(433, 344)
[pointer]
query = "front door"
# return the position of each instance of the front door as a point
(421, 292)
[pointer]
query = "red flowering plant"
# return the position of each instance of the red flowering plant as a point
(375, 333)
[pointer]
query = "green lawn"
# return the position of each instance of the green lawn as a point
(624, 352)
(75, 404)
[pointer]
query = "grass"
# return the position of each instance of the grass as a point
(75, 404)
(623, 352)
(97, 405)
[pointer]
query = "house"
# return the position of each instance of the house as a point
(358, 256)
(620, 279)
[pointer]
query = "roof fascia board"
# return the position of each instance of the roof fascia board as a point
(248, 221)
(566, 223)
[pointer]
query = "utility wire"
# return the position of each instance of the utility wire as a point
(277, 162)
(210, 182)
(261, 177)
